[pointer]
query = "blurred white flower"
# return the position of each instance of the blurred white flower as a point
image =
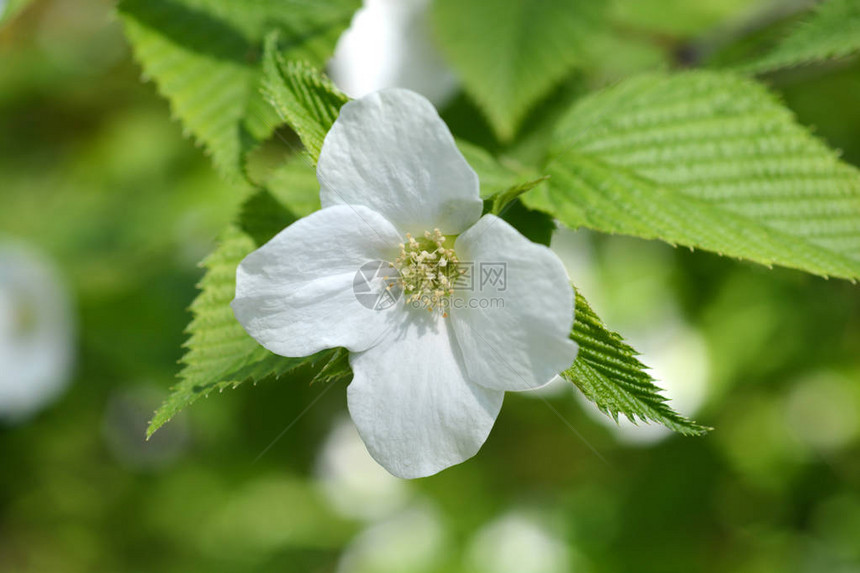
(389, 45)
(411, 541)
(36, 332)
(823, 411)
(402, 212)
(519, 542)
(355, 485)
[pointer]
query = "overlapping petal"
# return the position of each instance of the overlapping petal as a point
(513, 324)
(413, 405)
(295, 295)
(390, 151)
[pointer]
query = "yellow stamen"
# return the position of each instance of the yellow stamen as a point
(428, 269)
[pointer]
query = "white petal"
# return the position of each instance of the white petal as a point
(412, 403)
(295, 294)
(514, 324)
(390, 151)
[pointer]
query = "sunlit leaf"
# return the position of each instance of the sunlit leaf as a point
(609, 373)
(219, 353)
(304, 98)
(705, 160)
(205, 57)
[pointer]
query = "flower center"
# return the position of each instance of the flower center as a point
(428, 268)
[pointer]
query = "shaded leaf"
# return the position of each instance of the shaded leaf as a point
(832, 31)
(294, 184)
(510, 53)
(536, 226)
(262, 217)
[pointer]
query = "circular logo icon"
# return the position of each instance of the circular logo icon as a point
(377, 285)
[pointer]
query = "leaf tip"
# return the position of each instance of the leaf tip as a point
(152, 428)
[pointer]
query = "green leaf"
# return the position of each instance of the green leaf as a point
(335, 368)
(671, 20)
(832, 31)
(496, 176)
(706, 160)
(219, 353)
(536, 226)
(503, 199)
(204, 55)
(511, 53)
(262, 217)
(608, 372)
(294, 184)
(304, 98)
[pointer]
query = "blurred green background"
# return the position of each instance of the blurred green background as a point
(94, 174)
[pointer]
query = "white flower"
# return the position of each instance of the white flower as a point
(389, 45)
(412, 540)
(521, 541)
(354, 485)
(427, 386)
(36, 332)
